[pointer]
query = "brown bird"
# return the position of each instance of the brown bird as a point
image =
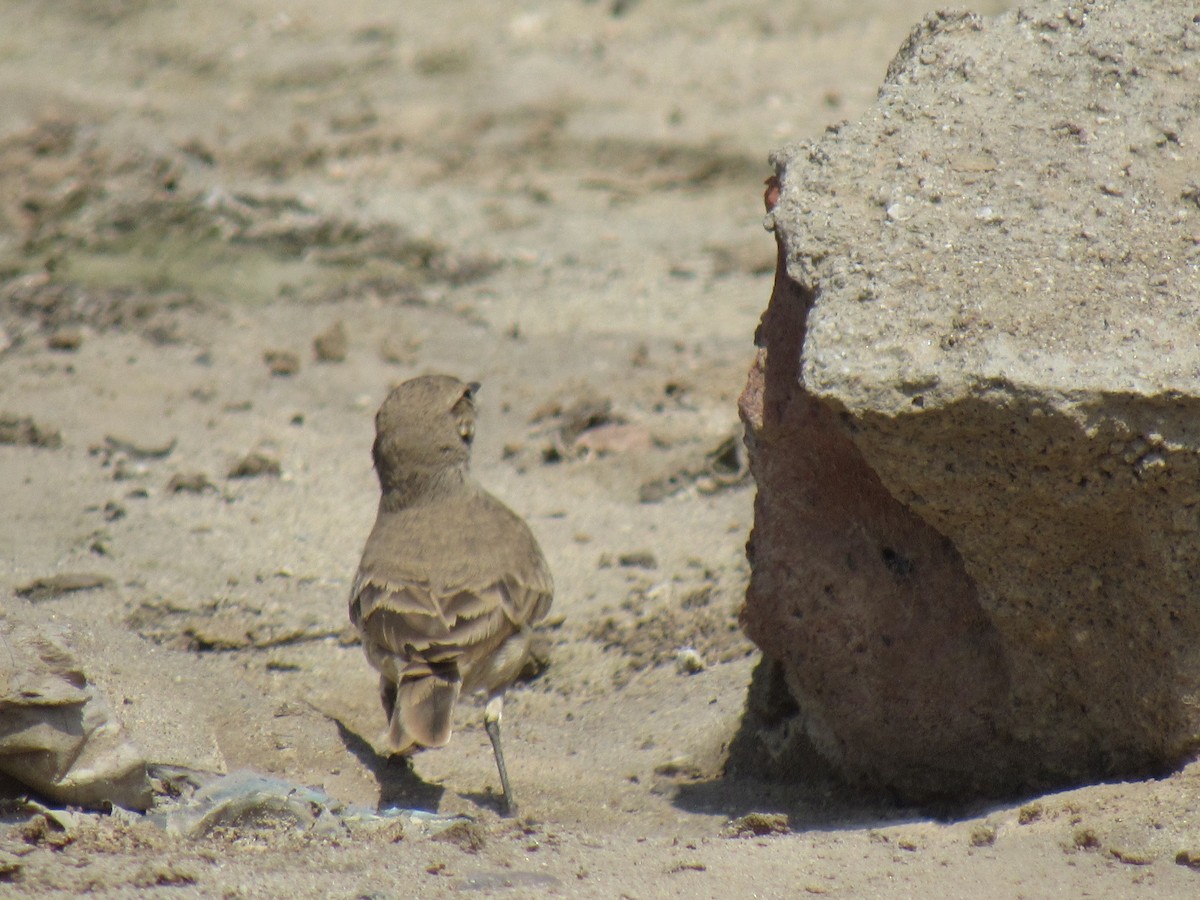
(451, 579)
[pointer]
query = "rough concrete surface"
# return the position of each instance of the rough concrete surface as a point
(976, 418)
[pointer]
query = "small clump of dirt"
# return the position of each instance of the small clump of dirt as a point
(23, 431)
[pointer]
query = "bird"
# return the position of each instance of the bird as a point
(451, 580)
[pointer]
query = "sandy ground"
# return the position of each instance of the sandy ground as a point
(562, 201)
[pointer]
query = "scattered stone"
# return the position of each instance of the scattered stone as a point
(282, 363)
(587, 427)
(679, 767)
(758, 825)
(199, 151)
(10, 867)
(52, 586)
(983, 835)
(1085, 839)
(688, 661)
(652, 622)
(127, 469)
(1131, 856)
(65, 340)
(1029, 813)
(639, 559)
(226, 633)
(129, 459)
(724, 467)
(332, 344)
(585, 414)
(189, 483)
(136, 450)
(612, 438)
(1189, 858)
(256, 465)
(249, 628)
(22, 431)
(466, 836)
(163, 873)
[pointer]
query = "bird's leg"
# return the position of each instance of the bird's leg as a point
(491, 721)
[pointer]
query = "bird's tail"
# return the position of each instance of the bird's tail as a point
(424, 711)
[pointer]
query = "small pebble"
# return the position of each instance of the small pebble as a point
(65, 340)
(332, 345)
(282, 363)
(641, 559)
(688, 661)
(189, 483)
(254, 465)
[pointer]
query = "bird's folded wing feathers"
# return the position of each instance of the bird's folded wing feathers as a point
(410, 623)
(532, 590)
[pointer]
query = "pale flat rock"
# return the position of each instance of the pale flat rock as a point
(164, 695)
(59, 735)
(85, 708)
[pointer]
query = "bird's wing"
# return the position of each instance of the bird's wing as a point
(527, 596)
(426, 631)
(444, 586)
(509, 563)
(426, 645)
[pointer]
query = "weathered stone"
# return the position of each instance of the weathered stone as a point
(975, 416)
(332, 344)
(58, 733)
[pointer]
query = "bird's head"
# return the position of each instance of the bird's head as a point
(423, 429)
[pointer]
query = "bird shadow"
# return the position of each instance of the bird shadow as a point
(399, 784)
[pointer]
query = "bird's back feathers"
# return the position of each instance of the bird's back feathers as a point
(444, 600)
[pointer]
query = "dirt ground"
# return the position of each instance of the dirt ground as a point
(560, 200)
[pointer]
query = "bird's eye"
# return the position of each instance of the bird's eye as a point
(464, 411)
